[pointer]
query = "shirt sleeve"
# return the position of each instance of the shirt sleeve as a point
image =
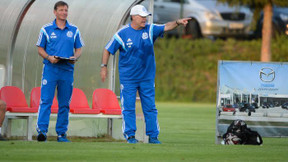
(42, 38)
(158, 31)
(113, 45)
(78, 43)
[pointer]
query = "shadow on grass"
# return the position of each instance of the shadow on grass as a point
(100, 138)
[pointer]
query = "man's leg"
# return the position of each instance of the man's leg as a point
(2, 112)
(147, 96)
(2, 116)
(47, 94)
(128, 99)
(64, 93)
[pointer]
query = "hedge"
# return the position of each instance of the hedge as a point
(187, 70)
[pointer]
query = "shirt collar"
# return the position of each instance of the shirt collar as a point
(67, 25)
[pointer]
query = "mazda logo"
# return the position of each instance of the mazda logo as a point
(267, 74)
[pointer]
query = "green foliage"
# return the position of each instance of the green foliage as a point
(255, 3)
(187, 70)
(280, 49)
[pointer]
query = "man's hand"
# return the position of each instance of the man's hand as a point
(105, 59)
(103, 73)
(45, 55)
(52, 59)
(184, 21)
(173, 24)
(73, 60)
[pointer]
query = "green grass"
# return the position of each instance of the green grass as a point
(187, 134)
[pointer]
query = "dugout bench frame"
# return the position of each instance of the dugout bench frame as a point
(30, 116)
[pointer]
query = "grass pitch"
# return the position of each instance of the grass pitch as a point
(187, 134)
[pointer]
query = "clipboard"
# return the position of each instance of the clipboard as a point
(65, 58)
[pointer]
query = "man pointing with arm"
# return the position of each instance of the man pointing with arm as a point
(137, 69)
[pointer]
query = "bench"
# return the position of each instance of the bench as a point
(29, 117)
(105, 105)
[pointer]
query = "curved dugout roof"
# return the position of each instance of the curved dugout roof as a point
(22, 20)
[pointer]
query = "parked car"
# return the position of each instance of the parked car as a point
(240, 104)
(279, 22)
(236, 106)
(277, 104)
(209, 18)
(255, 105)
(285, 105)
(247, 108)
(265, 105)
(271, 104)
(228, 108)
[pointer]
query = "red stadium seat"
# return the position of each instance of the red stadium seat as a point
(79, 103)
(35, 100)
(54, 107)
(15, 100)
(106, 101)
(35, 97)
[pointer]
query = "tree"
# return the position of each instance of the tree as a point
(267, 6)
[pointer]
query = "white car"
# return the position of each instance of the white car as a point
(209, 17)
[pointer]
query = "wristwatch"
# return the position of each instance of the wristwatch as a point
(103, 65)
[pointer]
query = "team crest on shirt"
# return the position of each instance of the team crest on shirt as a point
(53, 35)
(129, 43)
(145, 35)
(44, 82)
(69, 34)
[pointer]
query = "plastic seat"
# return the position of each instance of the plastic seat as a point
(106, 101)
(79, 103)
(15, 100)
(35, 100)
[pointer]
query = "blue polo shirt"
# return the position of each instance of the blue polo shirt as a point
(136, 59)
(58, 42)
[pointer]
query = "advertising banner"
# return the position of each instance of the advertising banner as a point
(255, 92)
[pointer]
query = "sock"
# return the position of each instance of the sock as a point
(0, 130)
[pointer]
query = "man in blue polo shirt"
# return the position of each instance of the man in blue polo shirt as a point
(137, 69)
(56, 43)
